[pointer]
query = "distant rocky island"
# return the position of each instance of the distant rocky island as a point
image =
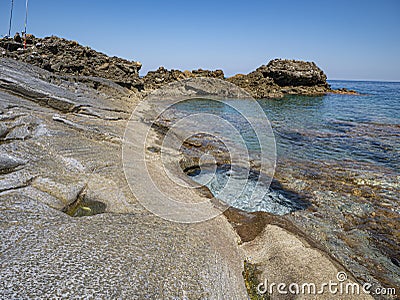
(63, 57)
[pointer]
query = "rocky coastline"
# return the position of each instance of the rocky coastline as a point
(63, 57)
(63, 110)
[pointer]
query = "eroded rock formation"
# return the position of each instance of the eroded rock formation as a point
(282, 76)
(155, 79)
(257, 85)
(286, 72)
(63, 57)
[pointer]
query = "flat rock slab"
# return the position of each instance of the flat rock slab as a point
(48, 254)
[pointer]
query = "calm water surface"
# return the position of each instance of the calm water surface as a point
(343, 153)
(357, 129)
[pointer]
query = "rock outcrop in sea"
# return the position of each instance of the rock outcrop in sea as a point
(283, 76)
(274, 80)
(286, 72)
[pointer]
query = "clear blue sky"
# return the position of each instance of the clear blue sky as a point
(348, 39)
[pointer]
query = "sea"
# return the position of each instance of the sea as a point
(337, 171)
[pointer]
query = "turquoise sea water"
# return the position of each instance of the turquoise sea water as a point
(364, 128)
(339, 155)
(356, 130)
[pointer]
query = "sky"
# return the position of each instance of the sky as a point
(348, 39)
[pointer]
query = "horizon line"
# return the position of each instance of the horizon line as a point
(366, 80)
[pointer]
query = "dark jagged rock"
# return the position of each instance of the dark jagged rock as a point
(9, 45)
(161, 76)
(282, 77)
(206, 73)
(286, 72)
(257, 85)
(345, 91)
(17, 38)
(64, 57)
(274, 80)
(68, 58)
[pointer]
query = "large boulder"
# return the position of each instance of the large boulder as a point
(283, 76)
(287, 72)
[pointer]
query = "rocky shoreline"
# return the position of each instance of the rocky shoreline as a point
(62, 57)
(317, 222)
(63, 111)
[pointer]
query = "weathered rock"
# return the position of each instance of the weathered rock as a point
(345, 91)
(257, 85)
(274, 80)
(9, 163)
(9, 45)
(161, 76)
(206, 73)
(286, 72)
(17, 38)
(64, 57)
(270, 251)
(282, 77)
